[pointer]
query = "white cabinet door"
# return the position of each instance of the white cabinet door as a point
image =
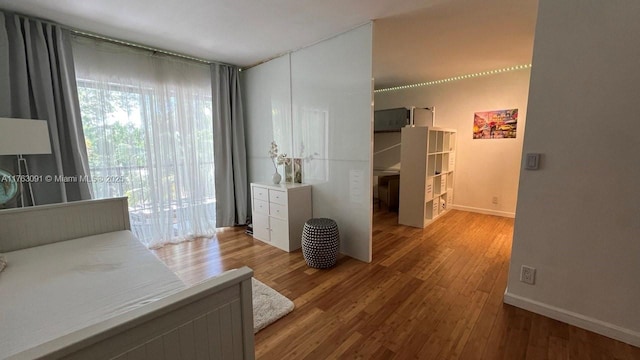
(261, 227)
(279, 233)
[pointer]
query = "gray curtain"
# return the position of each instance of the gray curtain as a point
(230, 154)
(37, 81)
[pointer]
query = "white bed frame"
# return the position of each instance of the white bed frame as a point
(212, 320)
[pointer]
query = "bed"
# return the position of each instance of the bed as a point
(79, 285)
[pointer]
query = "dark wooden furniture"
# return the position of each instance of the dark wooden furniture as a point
(389, 190)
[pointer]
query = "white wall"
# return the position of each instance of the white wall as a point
(485, 168)
(578, 217)
(318, 102)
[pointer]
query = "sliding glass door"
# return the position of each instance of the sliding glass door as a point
(149, 135)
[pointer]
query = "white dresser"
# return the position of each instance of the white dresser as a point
(279, 213)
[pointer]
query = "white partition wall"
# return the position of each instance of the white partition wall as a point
(331, 97)
(577, 217)
(330, 111)
(267, 109)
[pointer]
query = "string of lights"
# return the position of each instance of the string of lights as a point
(455, 78)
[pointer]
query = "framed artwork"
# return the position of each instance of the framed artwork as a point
(288, 171)
(495, 124)
(297, 170)
(293, 170)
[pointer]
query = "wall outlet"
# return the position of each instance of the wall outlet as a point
(528, 275)
(494, 200)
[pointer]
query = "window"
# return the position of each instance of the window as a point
(149, 135)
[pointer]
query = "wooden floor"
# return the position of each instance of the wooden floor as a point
(428, 294)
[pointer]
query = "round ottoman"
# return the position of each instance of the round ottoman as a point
(320, 243)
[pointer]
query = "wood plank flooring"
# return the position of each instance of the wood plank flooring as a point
(428, 294)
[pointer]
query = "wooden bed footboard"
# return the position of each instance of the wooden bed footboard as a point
(212, 320)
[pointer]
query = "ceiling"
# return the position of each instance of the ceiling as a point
(453, 38)
(414, 40)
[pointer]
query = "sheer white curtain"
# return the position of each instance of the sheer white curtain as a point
(149, 134)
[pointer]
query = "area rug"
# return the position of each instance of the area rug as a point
(268, 305)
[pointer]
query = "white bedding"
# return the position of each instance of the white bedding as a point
(52, 290)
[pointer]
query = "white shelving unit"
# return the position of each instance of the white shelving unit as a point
(428, 160)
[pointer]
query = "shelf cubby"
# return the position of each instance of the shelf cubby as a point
(432, 142)
(437, 185)
(452, 141)
(445, 162)
(428, 188)
(431, 165)
(439, 141)
(428, 210)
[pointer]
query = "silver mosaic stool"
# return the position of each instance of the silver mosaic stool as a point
(320, 243)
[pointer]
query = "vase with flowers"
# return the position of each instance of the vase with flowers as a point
(277, 159)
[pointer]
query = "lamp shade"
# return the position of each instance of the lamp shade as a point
(24, 137)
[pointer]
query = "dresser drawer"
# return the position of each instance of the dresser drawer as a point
(260, 206)
(277, 197)
(260, 193)
(278, 210)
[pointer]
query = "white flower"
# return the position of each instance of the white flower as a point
(273, 152)
(283, 159)
(277, 159)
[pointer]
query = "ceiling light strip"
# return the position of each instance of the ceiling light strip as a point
(455, 78)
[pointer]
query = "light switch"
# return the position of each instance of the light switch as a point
(532, 161)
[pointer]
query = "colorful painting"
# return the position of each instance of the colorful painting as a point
(496, 124)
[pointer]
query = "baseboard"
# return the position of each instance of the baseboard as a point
(483, 211)
(600, 327)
